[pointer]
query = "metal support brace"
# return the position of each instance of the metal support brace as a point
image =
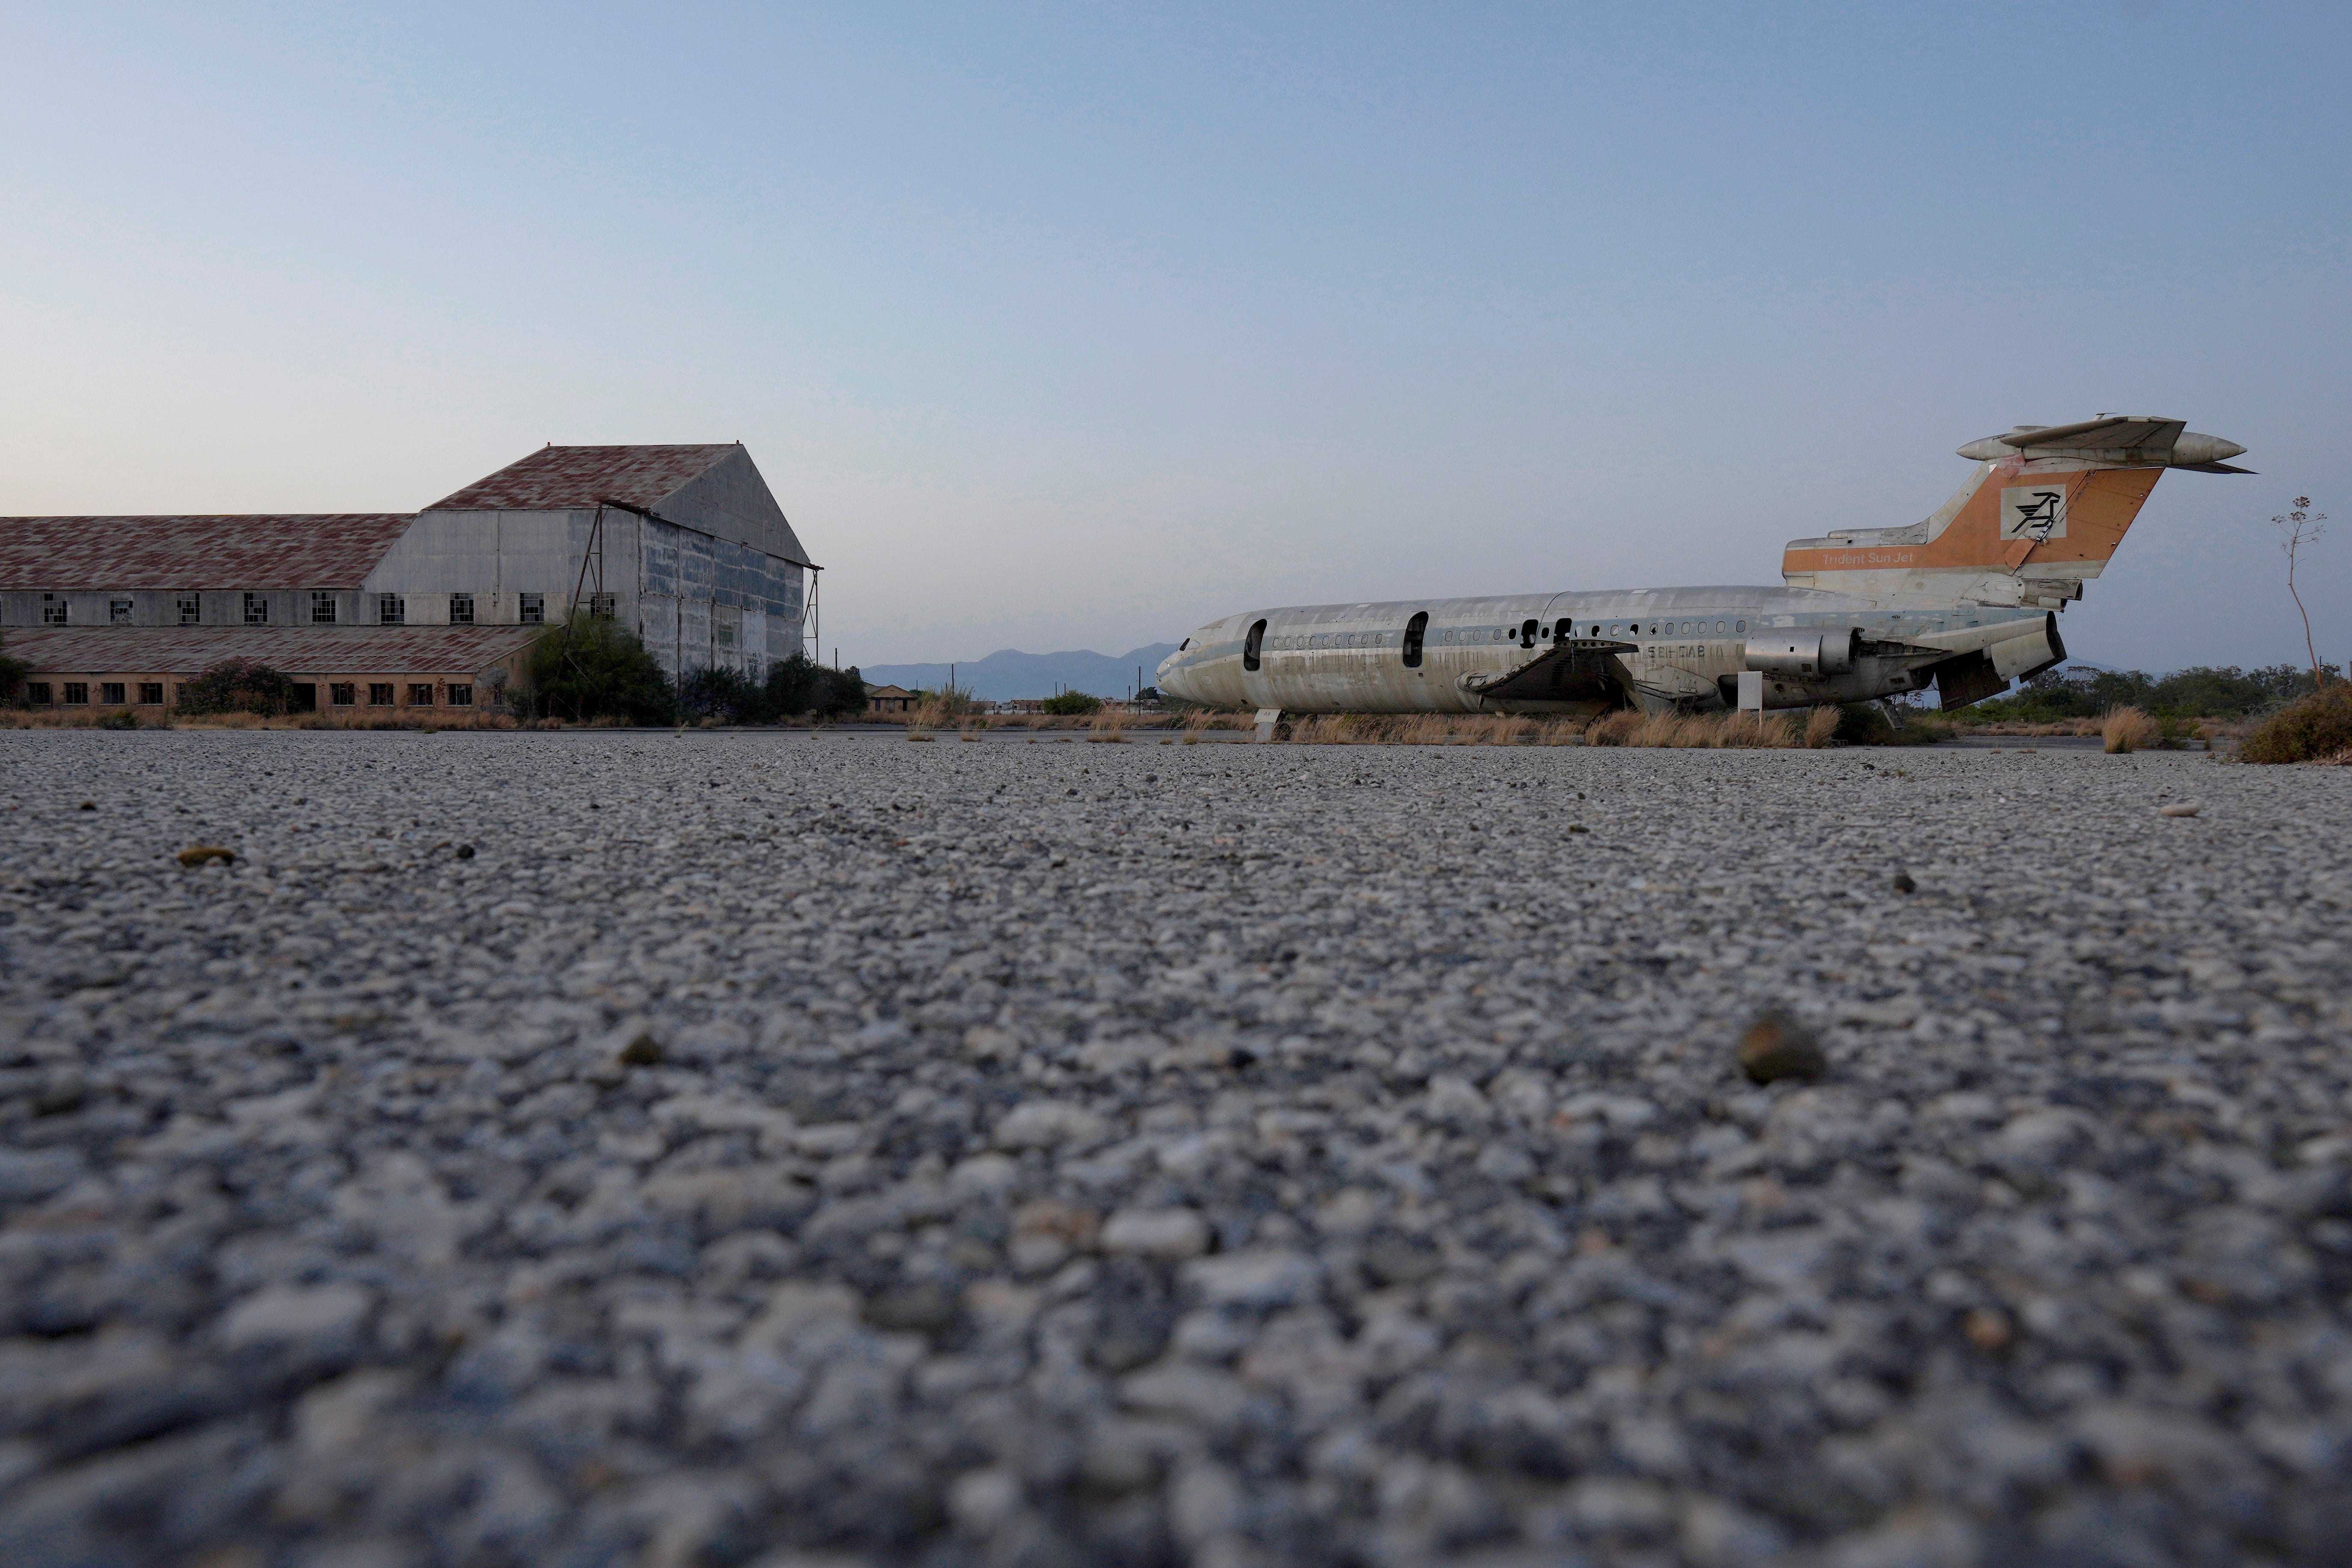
(1267, 720)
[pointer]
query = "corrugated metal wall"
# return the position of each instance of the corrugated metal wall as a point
(713, 604)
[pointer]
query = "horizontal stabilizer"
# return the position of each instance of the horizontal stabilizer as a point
(2117, 440)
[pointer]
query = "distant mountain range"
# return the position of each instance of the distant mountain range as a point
(1009, 673)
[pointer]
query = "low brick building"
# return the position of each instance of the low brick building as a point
(438, 608)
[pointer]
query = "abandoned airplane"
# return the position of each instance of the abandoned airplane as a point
(1967, 602)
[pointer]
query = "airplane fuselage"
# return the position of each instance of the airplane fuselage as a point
(1655, 648)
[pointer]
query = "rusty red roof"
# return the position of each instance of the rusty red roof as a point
(556, 479)
(324, 550)
(297, 650)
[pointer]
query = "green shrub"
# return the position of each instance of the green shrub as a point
(238, 686)
(724, 695)
(2320, 725)
(841, 694)
(792, 685)
(799, 685)
(122, 719)
(1070, 703)
(2200, 691)
(591, 667)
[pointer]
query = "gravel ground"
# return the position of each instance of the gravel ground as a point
(793, 1149)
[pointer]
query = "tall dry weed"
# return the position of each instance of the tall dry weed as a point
(2128, 730)
(1615, 729)
(1819, 725)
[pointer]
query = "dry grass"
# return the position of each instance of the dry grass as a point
(2128, 730)
(2021, 727)
(1681, 731)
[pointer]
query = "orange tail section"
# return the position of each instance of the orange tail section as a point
(2043, 514)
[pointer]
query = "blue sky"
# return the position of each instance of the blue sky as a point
(1074, 326)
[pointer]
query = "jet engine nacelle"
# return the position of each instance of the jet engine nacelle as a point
(2018, 659)
(1809, 654)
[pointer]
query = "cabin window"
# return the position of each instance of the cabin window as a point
(1415, 630)
(1252, 645)
(1182, 645)
(1739, 626)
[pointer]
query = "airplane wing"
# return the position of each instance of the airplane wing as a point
(1576, 671)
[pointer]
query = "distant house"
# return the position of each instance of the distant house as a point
(889, 699)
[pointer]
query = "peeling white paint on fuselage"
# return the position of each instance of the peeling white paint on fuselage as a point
(1332, 659)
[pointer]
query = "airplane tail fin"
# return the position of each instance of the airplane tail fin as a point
(2042, 514)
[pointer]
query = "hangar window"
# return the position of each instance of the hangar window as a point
(461, 609)
(420, 694)
(191, 609)
(110, 692)
(342, 693)
(391, 610)
(604, 606)
(36, 692)
(533, 612)
(1252, 645)
(379, 693)
(77, 691)
(322, 607)
(256, 609)
(461, 697)
(53, 610)
(118, 612)
(151, 693)
(1415, 630)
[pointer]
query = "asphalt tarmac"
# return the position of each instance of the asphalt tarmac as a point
(782, 1149)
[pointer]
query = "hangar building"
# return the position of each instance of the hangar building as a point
(435, 608)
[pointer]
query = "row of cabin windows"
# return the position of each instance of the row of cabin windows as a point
(1528, 633)
(340, 694)
(391, 609)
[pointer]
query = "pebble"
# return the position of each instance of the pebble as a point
(799, 1148)
(1776, 1046)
